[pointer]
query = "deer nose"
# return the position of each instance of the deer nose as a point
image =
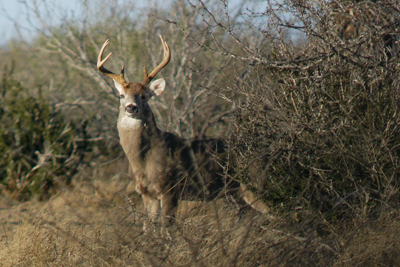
(131, 109)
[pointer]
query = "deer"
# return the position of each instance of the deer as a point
(166, 168)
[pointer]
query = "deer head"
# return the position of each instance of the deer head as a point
(134, 96)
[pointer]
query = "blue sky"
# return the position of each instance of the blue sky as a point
(15, 10)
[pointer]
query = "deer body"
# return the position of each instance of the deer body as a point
(165, 167)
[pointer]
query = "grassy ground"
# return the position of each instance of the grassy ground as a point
(94, 224)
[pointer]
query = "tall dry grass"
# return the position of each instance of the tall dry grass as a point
(93, 226)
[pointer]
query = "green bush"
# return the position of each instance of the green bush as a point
(40, 149)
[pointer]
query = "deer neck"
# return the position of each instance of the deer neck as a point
(138, 135)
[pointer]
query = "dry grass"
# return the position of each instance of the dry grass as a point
(95, 225)
(83, 228)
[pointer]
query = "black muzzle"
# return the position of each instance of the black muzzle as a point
(131, 109)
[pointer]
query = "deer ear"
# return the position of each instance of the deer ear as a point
(157, 87)
(118, 86)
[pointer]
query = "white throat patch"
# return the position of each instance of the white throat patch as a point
(129, 123)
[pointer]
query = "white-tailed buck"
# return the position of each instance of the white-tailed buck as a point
(165, 167)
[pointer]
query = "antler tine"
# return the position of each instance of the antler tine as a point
(167, 57)
(100, 63)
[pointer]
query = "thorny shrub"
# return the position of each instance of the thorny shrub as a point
(316, 127)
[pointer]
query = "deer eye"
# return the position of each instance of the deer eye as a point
(122, 96)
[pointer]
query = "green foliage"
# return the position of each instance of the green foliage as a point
(40, 149)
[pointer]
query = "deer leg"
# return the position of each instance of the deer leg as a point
(151, 207)
(168, 203)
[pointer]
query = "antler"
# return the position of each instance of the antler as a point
(100, 63)
(167, 57)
